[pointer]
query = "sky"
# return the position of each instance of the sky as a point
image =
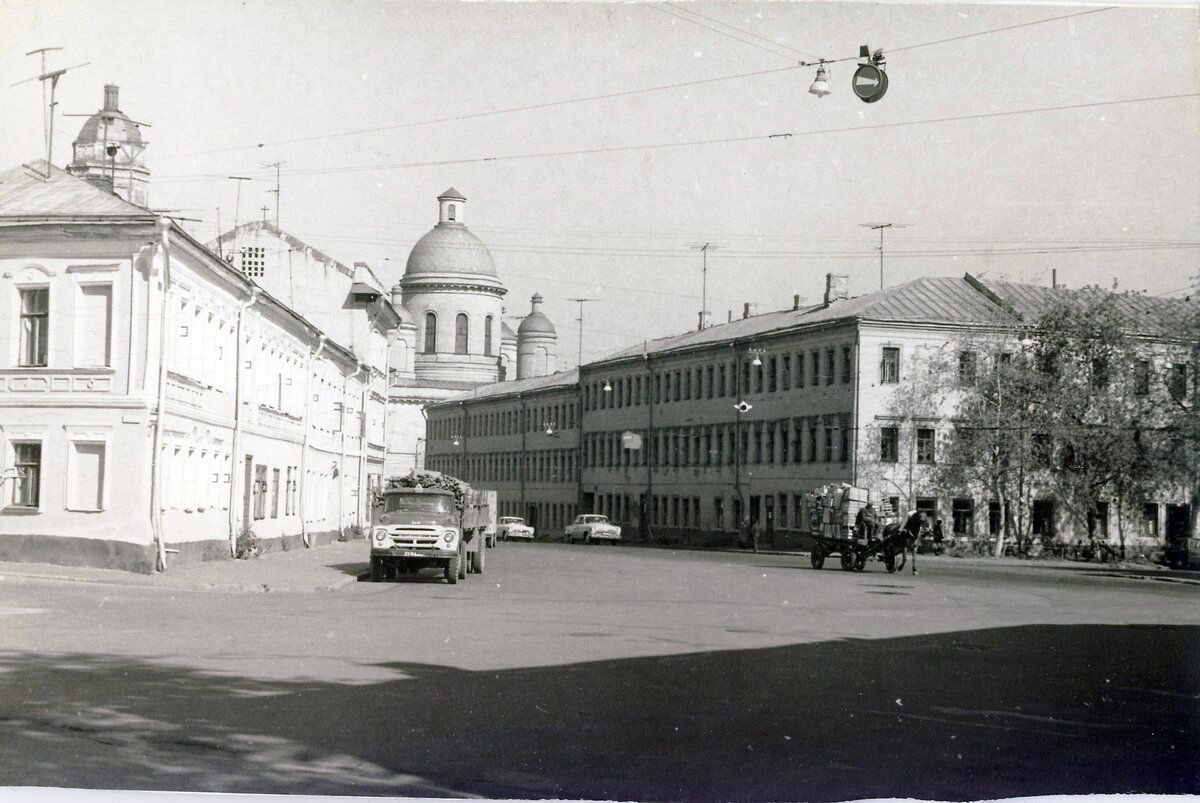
(599, 144)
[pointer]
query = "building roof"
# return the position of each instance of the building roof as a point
(562, 379)
(452, 195)
(25, 192)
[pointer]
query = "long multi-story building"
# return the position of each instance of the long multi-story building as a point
(704, 436)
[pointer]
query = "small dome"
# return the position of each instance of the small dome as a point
(536, 323)
(450, 249)
(109, 124)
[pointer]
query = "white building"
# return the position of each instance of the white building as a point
(128, 443)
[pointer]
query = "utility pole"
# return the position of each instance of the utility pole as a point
(881, 227)
(582, 301)
(704, 248)
(276, 190)
(48, 117)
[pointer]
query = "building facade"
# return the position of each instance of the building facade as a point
(710, 435)
(155, 403)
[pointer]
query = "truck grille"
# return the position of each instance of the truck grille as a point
(419, 537)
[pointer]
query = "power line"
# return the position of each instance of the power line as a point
(675, 12)
(1000, 30)
(722, 140)
(695, 13)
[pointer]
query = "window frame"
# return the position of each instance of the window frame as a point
(41, 327)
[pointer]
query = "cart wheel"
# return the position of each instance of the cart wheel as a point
(847, 561)
(817, 558)
(860, 563)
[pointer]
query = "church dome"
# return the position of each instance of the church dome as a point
(536, 322)
(109, 125)
(449, 247)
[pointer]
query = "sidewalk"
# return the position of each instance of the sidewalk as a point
(321, 568)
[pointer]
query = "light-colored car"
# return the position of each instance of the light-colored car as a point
(511, 528)
(592, 527)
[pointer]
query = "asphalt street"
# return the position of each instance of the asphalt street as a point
(606, 672)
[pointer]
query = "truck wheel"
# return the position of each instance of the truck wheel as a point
(462, 566)
(452, 569)
(376, 569)
(816, 558)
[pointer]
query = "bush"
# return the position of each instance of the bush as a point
(247, 545)
(351, 533)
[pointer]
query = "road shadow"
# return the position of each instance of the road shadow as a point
(1031, 710)
(352, 569)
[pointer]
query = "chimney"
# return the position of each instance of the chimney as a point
(701, 326)
(837, 288)
(110, 97)
(730, 318)
(397, 296)
(1054, 278)
(796, 301)
(746, 310)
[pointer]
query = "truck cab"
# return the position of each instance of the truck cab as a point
(414, 528)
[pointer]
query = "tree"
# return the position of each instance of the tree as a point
(1180, 444)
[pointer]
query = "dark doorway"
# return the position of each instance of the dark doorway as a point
(1179, 520)
(589, 503)
(1043, 518)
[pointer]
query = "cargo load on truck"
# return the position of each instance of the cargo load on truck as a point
(426, 520)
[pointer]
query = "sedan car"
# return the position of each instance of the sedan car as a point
(513, 528)
(592, 527)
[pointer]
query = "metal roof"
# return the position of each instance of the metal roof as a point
(25, 192)
(562, 379)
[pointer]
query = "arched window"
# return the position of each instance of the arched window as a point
(430, 333)
(450, 215)
(487, 335)
(460, 333)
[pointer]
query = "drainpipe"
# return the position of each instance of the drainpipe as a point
(342, 464)
(235, 459)
(390, 341)
(854, 423)
(156, 525)
(362, 444)
(312, 357)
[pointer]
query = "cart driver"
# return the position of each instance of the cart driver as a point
(866, 522)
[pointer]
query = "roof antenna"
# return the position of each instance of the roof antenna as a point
(52, 77)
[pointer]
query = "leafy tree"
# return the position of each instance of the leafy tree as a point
(1180, 442)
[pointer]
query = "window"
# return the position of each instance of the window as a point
(1150, 519)
(452, 212)
(815, 358)
(85, 490)
(812, 443)
(708, 388)
(785, 378)
(800, 370)
(963, 513)
(1141, 379)
(254, 261)
(889, 366)
(275, 493)
(460, 333)
(889, 444)
(35, 309)
(967, 367)
(487, 335)
(994, 518)
(772, 374)
(925, 442)
(721, 381)
(828, 444)
(430, 333)
(847, 365)
(719, 512)
(1177, 381)
(829, 370)
(260, 492)
(28, 463)
(93, 324)
(845, 433)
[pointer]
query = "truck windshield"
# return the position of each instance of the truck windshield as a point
(417, 503)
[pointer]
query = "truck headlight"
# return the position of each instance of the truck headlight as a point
(381, 535)
(449, 536)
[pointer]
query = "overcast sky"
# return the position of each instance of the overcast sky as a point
(598, 205)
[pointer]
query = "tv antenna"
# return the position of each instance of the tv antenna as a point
(581, 301)
(238, 199)
(276, 190)
(48, 117)
(704, 248)
(881, 227)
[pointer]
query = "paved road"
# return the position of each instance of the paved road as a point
(613, 672)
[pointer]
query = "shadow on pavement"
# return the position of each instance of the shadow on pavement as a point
(965, 715)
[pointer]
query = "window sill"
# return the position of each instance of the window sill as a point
(85, 510)
(19, 511)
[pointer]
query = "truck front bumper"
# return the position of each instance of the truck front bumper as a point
(412, 552)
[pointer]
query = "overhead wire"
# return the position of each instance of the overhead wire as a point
(673, 12)
(716, 141)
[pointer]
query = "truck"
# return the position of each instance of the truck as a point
(431, 520)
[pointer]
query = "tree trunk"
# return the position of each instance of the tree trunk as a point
(1003, 523)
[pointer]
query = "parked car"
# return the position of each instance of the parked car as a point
(592, 527)
(1183, 553)
(513, 528)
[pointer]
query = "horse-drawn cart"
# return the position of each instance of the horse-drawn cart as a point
(833, 512)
